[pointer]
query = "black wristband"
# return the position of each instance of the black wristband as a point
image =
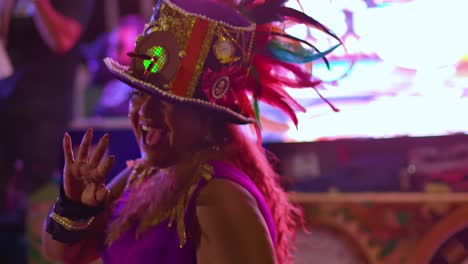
(74, 210)
(59, 233)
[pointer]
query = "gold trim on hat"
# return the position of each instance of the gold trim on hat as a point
(121, 71)
(237, 28)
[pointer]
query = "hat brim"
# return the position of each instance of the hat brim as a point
(121, 73)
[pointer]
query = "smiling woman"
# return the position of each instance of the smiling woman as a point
(167, 133)
(202, 190)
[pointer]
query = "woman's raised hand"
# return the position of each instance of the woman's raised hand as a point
(84, 177)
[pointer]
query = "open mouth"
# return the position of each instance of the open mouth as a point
(151, 136)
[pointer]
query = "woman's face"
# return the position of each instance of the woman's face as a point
(166, 132)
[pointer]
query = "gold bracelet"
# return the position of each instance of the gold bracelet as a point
(71, 225)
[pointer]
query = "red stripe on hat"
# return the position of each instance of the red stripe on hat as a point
(186, 71)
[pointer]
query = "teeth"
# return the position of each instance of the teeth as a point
(146, 128)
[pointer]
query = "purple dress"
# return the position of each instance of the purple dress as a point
(161, 243)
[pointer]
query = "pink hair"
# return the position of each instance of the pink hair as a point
(252, 160)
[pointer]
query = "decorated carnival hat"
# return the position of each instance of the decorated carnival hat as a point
(226, 59)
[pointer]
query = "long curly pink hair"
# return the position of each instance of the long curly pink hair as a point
(253, 161)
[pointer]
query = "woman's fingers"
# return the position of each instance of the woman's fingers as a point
(105, 168)
(94, 195)
(98, 175)
(87, 175)
(99, 151)
(101, 194)
(67, 149)
(88, 196)
(84, 146)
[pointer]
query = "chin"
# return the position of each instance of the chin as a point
(154, 158)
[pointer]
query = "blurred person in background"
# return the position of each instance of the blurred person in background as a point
(40, 38)
(113, 94)
(203, 191)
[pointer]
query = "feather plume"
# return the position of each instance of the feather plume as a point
(280, 60)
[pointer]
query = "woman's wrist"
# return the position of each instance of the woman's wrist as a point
(75, 211)
(66, 231)
(71, 225)
(69, 221)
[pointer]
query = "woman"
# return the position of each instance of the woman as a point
(201, 192)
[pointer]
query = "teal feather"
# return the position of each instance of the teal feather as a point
(297, 54)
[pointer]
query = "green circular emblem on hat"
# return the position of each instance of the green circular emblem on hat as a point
(158, 59)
